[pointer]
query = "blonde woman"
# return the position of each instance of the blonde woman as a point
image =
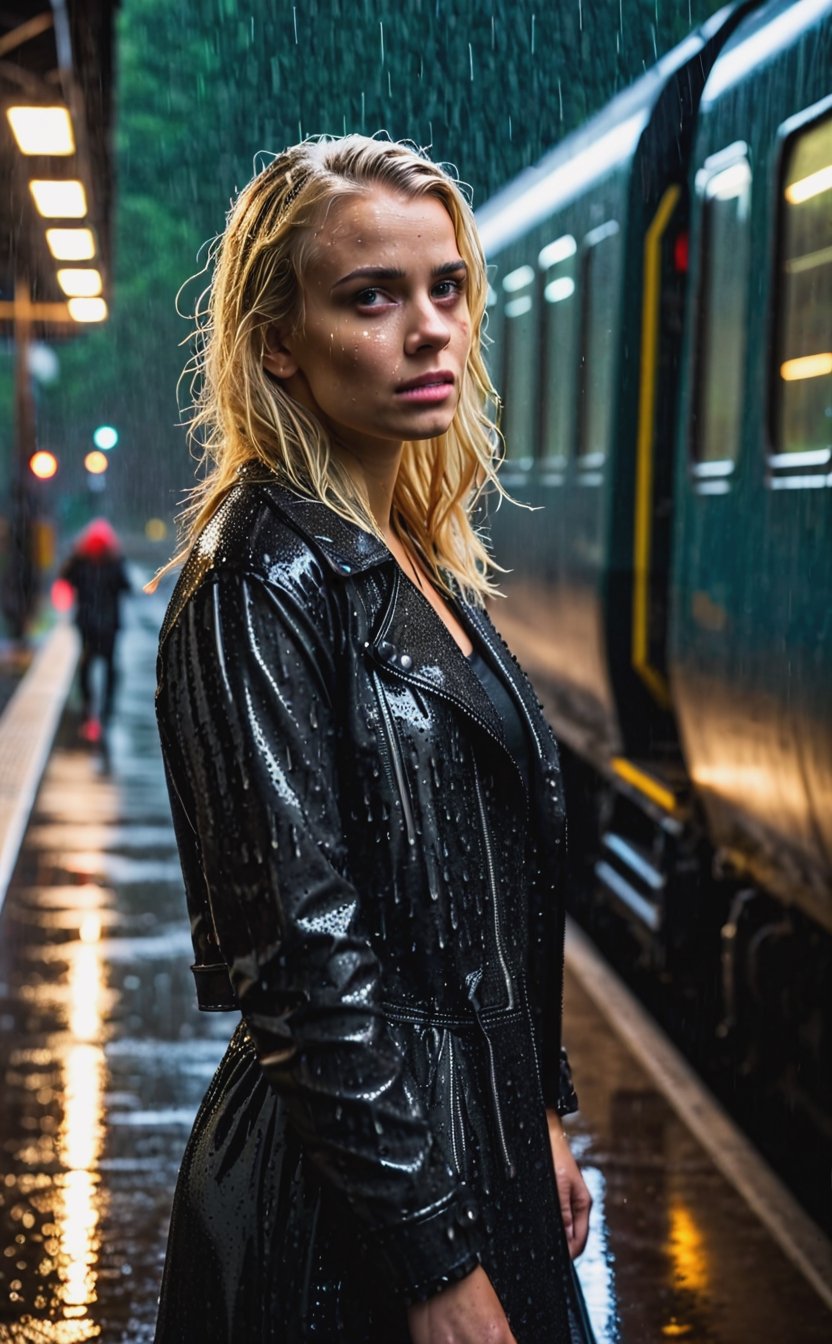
(366, 798)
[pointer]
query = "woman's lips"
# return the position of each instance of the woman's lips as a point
(428, 389)
(428, 392)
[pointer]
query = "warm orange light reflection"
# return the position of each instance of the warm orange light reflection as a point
(687, 1249)
(807, 187)
(763, 791)
(85, 1011)
(78, 1241)
(77, 1215)
(807, 366)
(90, 930)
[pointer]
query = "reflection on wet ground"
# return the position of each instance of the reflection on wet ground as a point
(104, 1060)
(104, 1057)
(674, 1253)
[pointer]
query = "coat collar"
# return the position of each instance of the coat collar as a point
(346, 548)
(408, 640)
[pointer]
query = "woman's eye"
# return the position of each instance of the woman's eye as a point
(369, 298)
(447, 289)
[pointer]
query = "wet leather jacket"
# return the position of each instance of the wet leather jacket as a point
(370, 879)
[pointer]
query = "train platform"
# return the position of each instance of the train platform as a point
(104, 1059)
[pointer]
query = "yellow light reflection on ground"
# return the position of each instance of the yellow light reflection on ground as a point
(78, 1212)
(687, 1249)
(80, 1136)
(79, 1245)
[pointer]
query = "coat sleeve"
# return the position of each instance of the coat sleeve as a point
(245, 705)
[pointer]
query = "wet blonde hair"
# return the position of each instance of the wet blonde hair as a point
(242, 415)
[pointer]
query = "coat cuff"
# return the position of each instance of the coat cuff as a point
(428, 1253)
(559, 1093)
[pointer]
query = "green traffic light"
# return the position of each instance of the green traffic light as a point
(105, 437)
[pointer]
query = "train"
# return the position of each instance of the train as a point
(660, 334)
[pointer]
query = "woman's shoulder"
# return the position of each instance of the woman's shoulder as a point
(250, 539)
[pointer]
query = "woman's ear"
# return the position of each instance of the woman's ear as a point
(277, 357)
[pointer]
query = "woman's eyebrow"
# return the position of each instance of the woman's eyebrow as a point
(395, 273)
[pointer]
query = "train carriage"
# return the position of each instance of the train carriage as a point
(661, 308)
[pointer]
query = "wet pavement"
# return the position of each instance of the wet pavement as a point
(104, 1056)
(674, 1250)
(104, 1059)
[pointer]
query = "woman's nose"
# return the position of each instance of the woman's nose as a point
(428, 327)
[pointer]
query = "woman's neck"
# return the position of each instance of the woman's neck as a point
(375, 472)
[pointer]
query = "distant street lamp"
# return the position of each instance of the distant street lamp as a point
(43, 464)
(96, 462)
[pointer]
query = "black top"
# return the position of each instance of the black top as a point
(514, 730)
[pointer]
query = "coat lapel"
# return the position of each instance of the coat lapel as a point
(411, 643)
(407, 640)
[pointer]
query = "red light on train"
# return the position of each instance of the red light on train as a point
(680, 253)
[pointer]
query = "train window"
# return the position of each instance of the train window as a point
(520, 346)
(557, 262)
(722, 315)
(802, 419)
(601, 277)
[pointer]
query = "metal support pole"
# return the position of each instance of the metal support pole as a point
(20, 584)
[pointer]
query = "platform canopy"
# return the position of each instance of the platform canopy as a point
(56, 87)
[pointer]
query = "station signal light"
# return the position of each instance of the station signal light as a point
(105, 437)
(96, 462)
(43, 464)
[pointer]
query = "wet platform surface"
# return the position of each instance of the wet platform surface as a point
(103, 1060)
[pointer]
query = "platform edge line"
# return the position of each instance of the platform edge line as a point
(808, 1248)
(47, 683)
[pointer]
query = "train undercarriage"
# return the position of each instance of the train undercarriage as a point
(737, 978)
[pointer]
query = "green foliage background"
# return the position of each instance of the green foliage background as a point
(204, 84)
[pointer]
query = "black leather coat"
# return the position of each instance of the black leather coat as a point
(377, 889)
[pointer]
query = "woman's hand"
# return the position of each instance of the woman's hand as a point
(575, 1199)
(469, 1312)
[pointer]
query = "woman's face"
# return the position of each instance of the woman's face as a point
(384, 344)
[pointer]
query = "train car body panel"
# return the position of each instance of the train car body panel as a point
(751, 631)
(588, 294)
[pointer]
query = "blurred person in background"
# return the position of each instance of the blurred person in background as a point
(97, 574)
